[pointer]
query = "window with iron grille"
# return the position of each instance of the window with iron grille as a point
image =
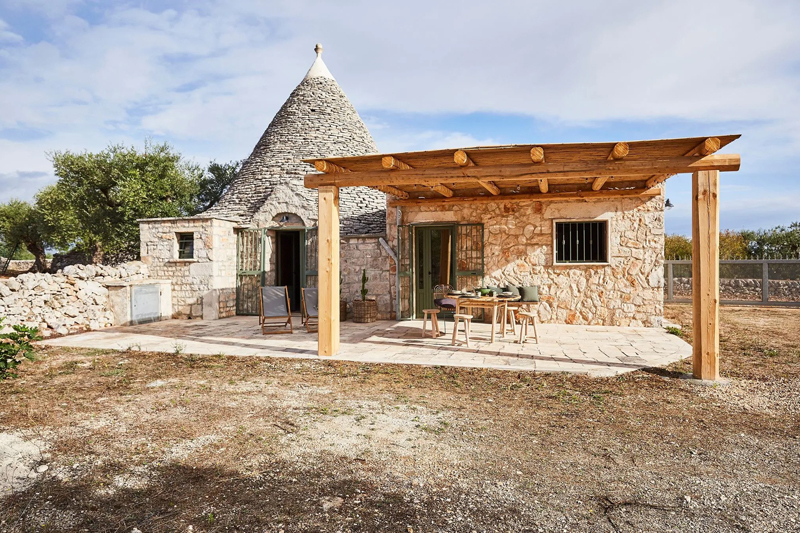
(185, 245)
(582, 242)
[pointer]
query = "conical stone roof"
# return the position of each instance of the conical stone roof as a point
(316, 121)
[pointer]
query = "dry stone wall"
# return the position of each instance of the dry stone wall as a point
(73, 299)
(743, 289)
(518, 249)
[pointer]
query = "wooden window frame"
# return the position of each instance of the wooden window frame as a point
(609, 227)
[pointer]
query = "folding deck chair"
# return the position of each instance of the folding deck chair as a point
(310, 308)
(275, 311)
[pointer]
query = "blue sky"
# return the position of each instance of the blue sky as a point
(208, 76)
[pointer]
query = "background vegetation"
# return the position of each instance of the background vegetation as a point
(94, 206)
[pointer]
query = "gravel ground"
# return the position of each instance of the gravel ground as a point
(166, 442)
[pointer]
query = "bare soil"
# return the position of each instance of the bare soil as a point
(169, 442)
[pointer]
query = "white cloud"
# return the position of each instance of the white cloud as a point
(211, 75)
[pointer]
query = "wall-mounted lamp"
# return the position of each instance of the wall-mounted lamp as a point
(668, 205)
(285, 218)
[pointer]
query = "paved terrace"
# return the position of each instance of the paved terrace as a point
(593, 350)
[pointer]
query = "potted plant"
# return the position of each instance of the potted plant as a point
(365, 309)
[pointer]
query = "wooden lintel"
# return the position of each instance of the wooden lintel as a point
(537, 154)
(392, 163)
(527, 172)
(328, 167)
(706, 147)
(598, 183)
(441, 189)
(543, 185)
(705, 274)
(394, 191)
(490, 186)
(462, 159)
(558, 196)
(619, 151)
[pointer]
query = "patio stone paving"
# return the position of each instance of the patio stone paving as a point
(593, 350)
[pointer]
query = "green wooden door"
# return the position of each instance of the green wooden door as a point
(433, 262)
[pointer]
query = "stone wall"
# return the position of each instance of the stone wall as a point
(71, 300)
(743, 289)
(518, 249)
(357, 254)
(205, 285)
(18, 266)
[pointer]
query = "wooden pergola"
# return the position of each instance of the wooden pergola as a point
(537, 173)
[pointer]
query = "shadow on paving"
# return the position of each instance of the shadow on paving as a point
(211, 499)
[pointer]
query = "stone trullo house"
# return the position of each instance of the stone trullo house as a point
(594, 262)
(263, 230)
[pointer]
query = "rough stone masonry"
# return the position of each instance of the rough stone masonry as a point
(74, 299)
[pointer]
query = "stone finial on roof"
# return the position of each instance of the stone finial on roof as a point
(318, 68)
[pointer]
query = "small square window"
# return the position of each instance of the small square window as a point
(581, 242)
(185, 245)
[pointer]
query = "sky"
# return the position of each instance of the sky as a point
(208, 76)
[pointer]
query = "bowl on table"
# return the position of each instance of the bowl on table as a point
(506, 294)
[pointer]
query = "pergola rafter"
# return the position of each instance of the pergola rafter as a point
(521, 173)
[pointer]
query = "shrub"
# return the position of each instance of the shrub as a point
(15, 347)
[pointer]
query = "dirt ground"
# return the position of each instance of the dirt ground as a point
(124, 441)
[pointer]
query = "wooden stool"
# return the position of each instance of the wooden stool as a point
(527, 317)
(434, 314)
(467, 320)
(510, 320)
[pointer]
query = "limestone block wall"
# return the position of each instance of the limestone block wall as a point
(357, 254)
(205, 285)
(518, 249)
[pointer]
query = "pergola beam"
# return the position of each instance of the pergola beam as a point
(490, 186)
(706, 147)
(394, 191)
(543, 185)
(652, 181)
(705, 274)
(558, 196)
(512, 173)
(619, 151)
(598, 183)
(537, 154)
(441, 189)
(328, 167)
(462, 159)
(392, 163)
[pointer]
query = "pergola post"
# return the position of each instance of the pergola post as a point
(705, 274)
(328, 270)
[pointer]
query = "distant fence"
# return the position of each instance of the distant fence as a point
(741, 281)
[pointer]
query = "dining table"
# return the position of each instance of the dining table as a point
(495, 303)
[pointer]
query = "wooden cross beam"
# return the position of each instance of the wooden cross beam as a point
(462, 159)
(394, 191)
(543, 185)
(328, 167)
(537, 154)
(597, 184)
(391, 162)
(707, 147)
(619, 151)
(441, 189)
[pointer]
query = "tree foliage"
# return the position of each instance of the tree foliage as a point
(95, 205)
(214, 182)
(780, 241)
(21, 223)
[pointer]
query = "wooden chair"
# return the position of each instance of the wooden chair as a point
(467, 320)
(527, 317)
(309, 304)
(443, 303)
(274, 310)
(433, 314)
